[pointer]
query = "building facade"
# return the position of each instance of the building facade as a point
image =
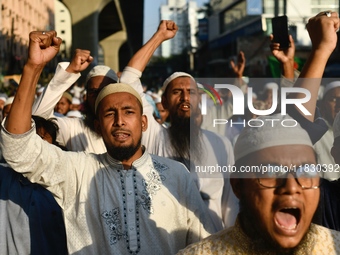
(18, 18)
(185, 15)
(63, 27)
(236, 25)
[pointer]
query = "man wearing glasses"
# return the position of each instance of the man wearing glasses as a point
(277, 183)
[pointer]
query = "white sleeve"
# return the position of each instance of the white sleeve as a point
(151, 138)
(61, 81)
(44, 163)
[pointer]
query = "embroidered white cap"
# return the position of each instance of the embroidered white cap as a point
(116, 88)
(174, 76)
(268, 133)
(101, 70)
(330, 86)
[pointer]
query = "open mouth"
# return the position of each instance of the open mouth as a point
(185, 107)
(288, 218)
(120, 135)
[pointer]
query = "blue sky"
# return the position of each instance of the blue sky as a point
(151, 15)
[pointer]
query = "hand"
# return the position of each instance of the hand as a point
(238, 68)
(283, 55)
(80, 61)
(167, 29)
(43, 47)
(322, 31)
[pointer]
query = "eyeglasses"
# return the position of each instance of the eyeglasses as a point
(334, 100)
(307, 176)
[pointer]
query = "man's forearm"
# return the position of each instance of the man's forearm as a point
(166, 30)
(141, 58)
(62, 80)
(310, 79)
(19, 119)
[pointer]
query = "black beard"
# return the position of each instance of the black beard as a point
(89, 117)
(185, 139)
(122, 153)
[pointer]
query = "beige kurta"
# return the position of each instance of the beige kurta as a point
(319, 240)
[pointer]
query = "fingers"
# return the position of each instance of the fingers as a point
(45, 38)
(241, 58)
(169, 25)
(325, 18)
(80, 61)
(82, 56)
(232, 64)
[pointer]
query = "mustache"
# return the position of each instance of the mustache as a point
(122, 130)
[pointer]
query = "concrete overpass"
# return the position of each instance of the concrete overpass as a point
(115, 25)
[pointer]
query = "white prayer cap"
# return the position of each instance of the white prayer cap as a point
(254, 95)
(40, 90)
(331, 85)
(75, 100)
(271, 133)
(174, 76)
(116, 88)
(336, 126)
(270, 85)
(157, 99)
(9, 101)
(68, 96)
(101, 70)
(200, 86)
(3, 97)
(74, 114)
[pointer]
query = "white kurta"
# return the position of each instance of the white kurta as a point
(217, 151)
(153, 208)
(74, 135)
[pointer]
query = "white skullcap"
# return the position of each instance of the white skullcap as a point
(200, 86)
(116, 88)
(9, 101)
(331, 85)
(254, 95)
(272, 133)
(76, 114)
(68, 96)
(3, 97)
(271, 85)
(75, 100)
(336, 126)
(101, 70)
(174, 76)
(40, 90)
(157, 99)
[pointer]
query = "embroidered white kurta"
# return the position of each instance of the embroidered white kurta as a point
(153, 208)
(217, 150)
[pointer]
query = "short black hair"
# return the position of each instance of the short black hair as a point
(49, 125)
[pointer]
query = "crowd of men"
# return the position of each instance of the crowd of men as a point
(110, 177)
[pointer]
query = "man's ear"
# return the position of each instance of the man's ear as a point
(236, 184)
(144, 123)
(165, 102)
(97, 127)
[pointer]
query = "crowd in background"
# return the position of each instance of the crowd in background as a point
(111, 167)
